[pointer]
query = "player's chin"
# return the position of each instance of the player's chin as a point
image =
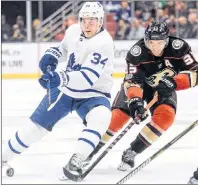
(157, 53)
(88, 34)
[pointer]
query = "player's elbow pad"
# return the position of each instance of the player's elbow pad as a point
(83, 79)
(186, 79)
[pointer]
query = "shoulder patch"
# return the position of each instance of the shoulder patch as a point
(177, 44)
(136, 50)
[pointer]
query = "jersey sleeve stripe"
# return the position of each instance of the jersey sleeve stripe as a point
(87, 78)
(91, 70)
(196, 67)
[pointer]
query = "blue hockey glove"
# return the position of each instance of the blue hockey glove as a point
(50, 59)
(53, 79)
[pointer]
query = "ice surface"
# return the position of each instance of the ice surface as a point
(43, 161)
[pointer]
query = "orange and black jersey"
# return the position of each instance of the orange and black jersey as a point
(145, 70)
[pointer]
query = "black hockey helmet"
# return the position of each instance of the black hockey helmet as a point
(157, 31)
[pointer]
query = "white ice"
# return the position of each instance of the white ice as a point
(43, 161)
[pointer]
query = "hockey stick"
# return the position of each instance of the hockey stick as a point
(81, 177)
(146, 162)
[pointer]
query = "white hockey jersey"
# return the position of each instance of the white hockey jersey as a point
(88, 63)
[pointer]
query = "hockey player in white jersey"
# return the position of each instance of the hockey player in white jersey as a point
(82, 85)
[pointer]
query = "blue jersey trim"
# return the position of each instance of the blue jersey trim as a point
(87, 78)
(108, 95)
(91, 70)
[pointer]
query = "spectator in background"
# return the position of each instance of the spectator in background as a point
(146, 16)
(173, 30)
(138, 14)
(17, 35)
(162, 15)
(181, 7)
(6, 31)
(191, 4)
(112, 6)
(35, 25)
(147, 8)
(136, 30)
(71, 19)
(122, 30)
(171, 8)
(123, 13)
(167, 6)
(172, 25)
(183, 27)
(21, 24)
(147, 22)
(192, 25)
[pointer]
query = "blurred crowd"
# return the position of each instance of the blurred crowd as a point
(13, 33)
(124, 20)
(181, 17)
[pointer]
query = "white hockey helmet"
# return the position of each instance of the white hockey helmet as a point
(92, 9)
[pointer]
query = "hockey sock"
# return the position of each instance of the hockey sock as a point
(162, 119)
(105, 138)
(118, 120)
(96, 127)
(22, 140)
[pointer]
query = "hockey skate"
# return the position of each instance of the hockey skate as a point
(86, 163)
(73, 169)
(128, 158)
(90, 157)
(7, 169)
(193, 181)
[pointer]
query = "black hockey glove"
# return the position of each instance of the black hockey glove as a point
(136, 107)
(166, 86)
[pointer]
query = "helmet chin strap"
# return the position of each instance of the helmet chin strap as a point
(100, 26)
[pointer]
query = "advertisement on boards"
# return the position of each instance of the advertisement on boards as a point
(20, 60)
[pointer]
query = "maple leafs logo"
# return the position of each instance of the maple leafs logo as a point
(71, 64)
